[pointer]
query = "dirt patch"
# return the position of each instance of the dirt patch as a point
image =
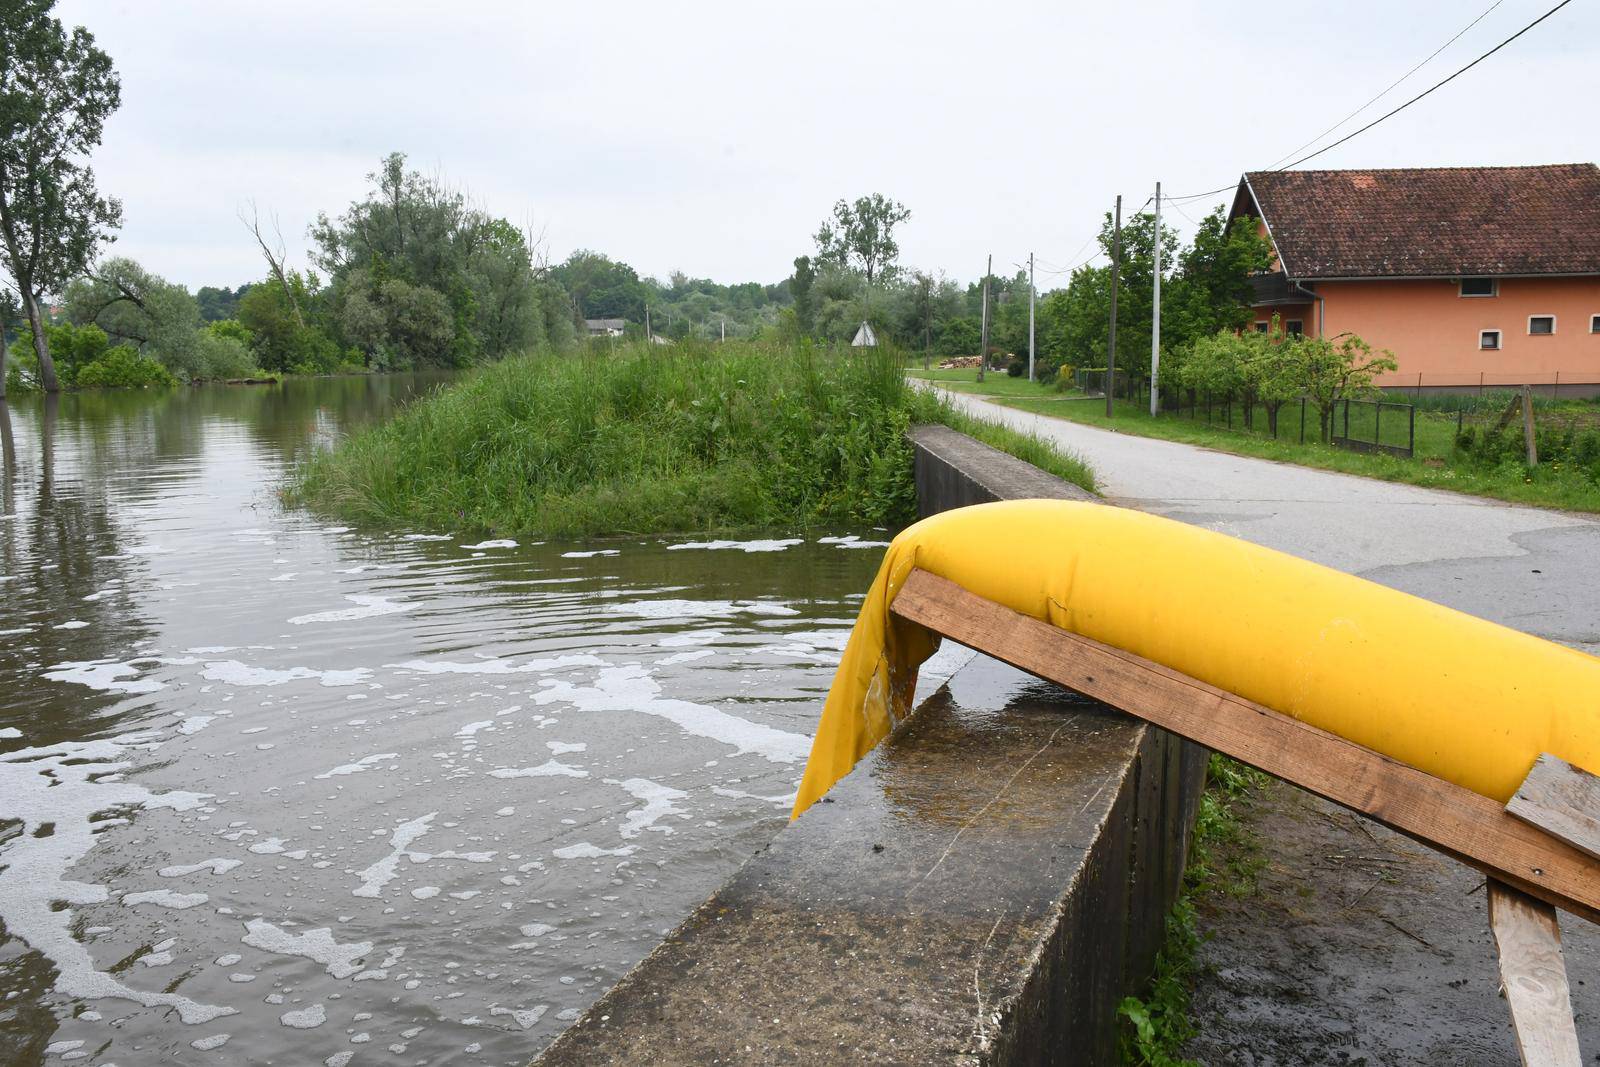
(1358, 946)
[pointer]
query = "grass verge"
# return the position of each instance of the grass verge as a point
(1437, 464)
(647, 439)
(1159, 1022)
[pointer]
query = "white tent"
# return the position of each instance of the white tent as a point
(865, 338)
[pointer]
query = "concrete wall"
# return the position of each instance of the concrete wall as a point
(982, 889)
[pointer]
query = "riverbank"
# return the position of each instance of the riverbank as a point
(1437, 463)
(641, 440)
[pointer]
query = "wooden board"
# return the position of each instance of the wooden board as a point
(1472, 828)
(1562, 800)
(1534, 977)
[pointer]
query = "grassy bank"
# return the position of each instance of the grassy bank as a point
(650, 439)
(1437, 464)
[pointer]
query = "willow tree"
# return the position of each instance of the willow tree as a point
(56, 91)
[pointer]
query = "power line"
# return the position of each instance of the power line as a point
(1391, 86)
(1395, 111)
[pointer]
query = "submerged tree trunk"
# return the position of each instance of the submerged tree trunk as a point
(41, 344)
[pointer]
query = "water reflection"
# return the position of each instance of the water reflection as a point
(321, 791)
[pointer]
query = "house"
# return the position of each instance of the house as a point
(605, 327)
(1471, 276)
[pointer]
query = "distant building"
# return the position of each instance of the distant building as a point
(1469, 275)
(605, 327)
(865, 337)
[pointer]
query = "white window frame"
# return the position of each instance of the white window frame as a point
(1461, 289)
(1552, 319)
(1594, 323)
(1499, 341)
(1263, 326)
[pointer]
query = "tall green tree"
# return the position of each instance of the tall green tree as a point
(56, 91)
(805, 311)
(860, 236)
(1210, 290)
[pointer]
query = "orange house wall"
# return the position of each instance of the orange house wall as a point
(1433, 330)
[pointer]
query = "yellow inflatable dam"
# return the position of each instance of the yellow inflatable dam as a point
(1460, 698)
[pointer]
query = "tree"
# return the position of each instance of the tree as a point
(861, 236)
(56, 91)
(601, 287)
(805, 275)
(10, 315)
(1331, 372)
(1210, 290)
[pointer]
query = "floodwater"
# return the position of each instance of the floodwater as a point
(274, 790)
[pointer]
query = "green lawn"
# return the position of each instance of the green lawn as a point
(1436, 464)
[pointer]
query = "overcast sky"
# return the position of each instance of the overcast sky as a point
(712, 138)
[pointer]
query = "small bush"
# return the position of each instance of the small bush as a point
(123, 367)
(1016, 368)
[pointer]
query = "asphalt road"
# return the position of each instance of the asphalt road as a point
(1358, 946)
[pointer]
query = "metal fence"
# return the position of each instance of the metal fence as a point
(1358, 425)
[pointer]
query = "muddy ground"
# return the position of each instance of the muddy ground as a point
(1357, 946)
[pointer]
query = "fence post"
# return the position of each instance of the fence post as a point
(1377, 423)
(1347, 421)
(1458, 422)
(1555, 390)
(1411, 432)
(1302, 420)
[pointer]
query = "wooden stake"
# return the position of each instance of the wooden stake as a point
(1527, 426)
(1563, 801)
(1472, 828)
(1534, 978)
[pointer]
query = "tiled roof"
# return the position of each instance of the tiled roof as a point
(1444, 222)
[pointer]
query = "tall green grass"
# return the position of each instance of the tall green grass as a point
(651, 439)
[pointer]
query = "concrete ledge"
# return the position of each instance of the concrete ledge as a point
(955, 471)
(984, 888)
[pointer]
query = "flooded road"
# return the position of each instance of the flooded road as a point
(274, 790)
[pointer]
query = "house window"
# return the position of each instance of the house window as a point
(1594, 324)
(1297, 328)
(1478, 287)
(1541, 324)
(1261, 327)
(1489, 340)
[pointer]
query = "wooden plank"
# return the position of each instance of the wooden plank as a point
(1561, 800)
(1472, 828)
(1534, 977)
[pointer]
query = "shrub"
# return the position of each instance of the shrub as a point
(1016, 368)
(123, 367)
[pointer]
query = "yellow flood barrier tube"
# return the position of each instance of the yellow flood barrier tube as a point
(1460, 698)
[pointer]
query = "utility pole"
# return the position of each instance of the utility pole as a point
(1030, 316)
(983, 342)
(1155, 317)
(724, 331)
(647, 322)
(1111, 346)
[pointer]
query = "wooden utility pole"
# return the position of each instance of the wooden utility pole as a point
(1155, 318)
(1527, 426)
(1031, 293)
(1111, 346)
(983, 340)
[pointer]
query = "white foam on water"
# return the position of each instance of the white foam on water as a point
(195, 723)
(591, 553)
(740, 546)
(524, 1018)
(787, 800)
(499, 666)
(429, 537)
(53, 785)
(206, 1044)
(316, 945)
(473, 727)
(104, 676)
(631, 688)
(380, 874)
(658, 804)
(684, 657)
(699, 609)
(425, 892)
(536, 929)
(561, 748)
(216, 866)
(166, 898)
(339, 1059)
(502, 542)
(851, 541)
(232, 672)
(363, 764)
(70, 624)
(367, 607)
(287, 576)
(9, 732)
(583, 850)
(305, 1019)
(547, 769)
(699, 637)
